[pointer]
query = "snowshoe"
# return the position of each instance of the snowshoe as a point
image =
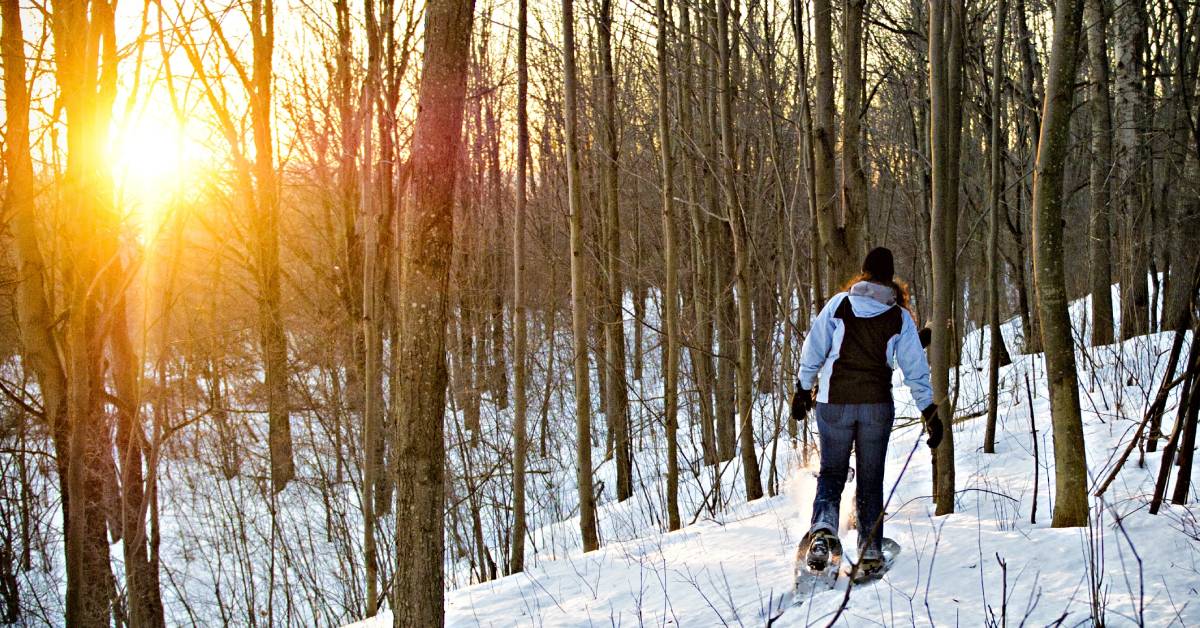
(821, 546)
(872, 565)
(816, 570)
(818, 564)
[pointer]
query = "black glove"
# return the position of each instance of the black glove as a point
(926, 336)
(933, 424)
(802, 402)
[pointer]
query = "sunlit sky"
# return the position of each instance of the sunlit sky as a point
(164, 137)
(165, 140)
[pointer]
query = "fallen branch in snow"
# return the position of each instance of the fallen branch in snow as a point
(714, 485)
(1160, 402)
(1185, 414)
(959, 491)
(963, 418)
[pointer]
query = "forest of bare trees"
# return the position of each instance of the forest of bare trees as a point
(320, 308)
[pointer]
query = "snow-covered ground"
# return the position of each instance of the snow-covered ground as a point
(988, 563)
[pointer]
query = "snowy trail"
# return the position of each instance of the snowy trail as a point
(986, 564)
(732, 571)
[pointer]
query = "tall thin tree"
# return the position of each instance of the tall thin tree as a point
(943, 239)
(426, 240)
(372, 370)
(85, 73)
(671, 286)
(1099, 174)
(266, 246)
(995, 193)
(1070, 462)
(833, 243)
(737, 227)
(616, 393)
(854, 178)
(35, 318)
(1130, 21)
(520, 332)
(579, 323)
(700, 348)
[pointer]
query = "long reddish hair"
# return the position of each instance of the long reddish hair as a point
(902, 296)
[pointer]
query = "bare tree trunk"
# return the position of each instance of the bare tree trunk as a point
(229, 443)
(1032, 339)
(1189, 400)
(520, 403)
(726, 343)
(497, 366)
(766, 299)
(274, 342)
(996, 155)
(1185, 218)
(1187, 446)
(639, 308)
(772, 298)
(583, 426)
(737, 228)
(807, 163)
(943, 249)
(35, 319)
(954, 97)
(719, 251)
(389, 189)
(614, 326)
(921, 142)
(1130, 21)
(671, 288)
(700, 348)
(841, 262)
(427, 243)
(372, 417)
(141, 574)
(350, 277)
(854, 179)
(85, 59)
(1070, 505)
(1031, 85)
(1099, 229)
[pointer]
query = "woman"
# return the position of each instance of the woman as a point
(849, 356)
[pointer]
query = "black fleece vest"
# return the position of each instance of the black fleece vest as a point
(862, 373)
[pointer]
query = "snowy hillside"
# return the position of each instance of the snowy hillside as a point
(989, 563)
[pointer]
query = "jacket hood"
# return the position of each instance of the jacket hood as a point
(869, 299)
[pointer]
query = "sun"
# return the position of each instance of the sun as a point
(149, 156)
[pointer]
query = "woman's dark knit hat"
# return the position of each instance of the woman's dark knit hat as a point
(879, 264)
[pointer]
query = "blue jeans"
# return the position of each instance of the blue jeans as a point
(866, 427)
